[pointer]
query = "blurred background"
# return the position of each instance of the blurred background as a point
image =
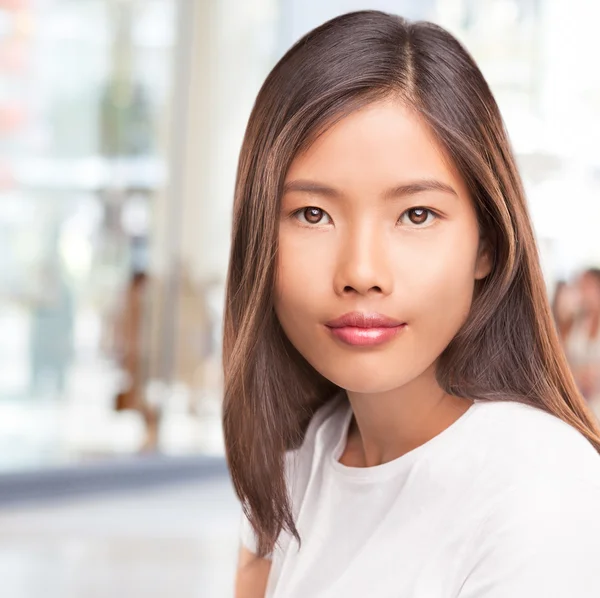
(120, 127)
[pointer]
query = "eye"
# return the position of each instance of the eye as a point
(311, 215)
(419, 217)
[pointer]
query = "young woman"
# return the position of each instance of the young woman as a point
(399, 417)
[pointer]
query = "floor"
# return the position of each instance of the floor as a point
(177, 541)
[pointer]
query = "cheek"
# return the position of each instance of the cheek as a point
(443, 287)
(302, 284)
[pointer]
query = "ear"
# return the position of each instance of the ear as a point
(483, 265)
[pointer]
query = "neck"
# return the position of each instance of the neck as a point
(389, 424)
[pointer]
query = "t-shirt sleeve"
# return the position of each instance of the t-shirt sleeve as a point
(248, 536)
(297, 471)
(542, 540)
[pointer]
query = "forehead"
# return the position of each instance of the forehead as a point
(380, 143)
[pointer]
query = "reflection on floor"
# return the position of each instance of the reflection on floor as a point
(178, 541)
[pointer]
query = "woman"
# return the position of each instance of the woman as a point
(399, 416)
(565, 306)
(582, 343)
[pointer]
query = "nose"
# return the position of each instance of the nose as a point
(363, 264)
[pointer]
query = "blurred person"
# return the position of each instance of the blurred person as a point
(128, 332)
(583, 340)
(399, 415)
(565, 306)
(192, 338)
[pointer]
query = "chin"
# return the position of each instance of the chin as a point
(375, 376)
(373, 384)
(369, 389)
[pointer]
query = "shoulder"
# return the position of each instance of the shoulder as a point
(538, 540)
(520, 442)
(298, 464)
(540, 533)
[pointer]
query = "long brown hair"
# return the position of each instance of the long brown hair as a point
(507, 350)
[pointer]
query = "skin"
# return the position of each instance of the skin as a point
(252, 575)
(589, 292)
(357, 250)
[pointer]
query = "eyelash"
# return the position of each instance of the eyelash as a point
(429, 211)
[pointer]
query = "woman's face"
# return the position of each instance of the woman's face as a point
(589, 288)
(375, 220)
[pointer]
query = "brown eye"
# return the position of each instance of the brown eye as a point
(417, 216)
(312, 215)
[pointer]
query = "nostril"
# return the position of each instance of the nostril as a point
(349, 289)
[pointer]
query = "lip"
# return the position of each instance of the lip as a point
(364, 329)
(361, 319)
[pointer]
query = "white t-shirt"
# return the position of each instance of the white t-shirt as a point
(504, 503)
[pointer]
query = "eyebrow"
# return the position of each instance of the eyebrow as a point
(402, 190)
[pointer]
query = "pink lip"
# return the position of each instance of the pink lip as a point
(361, 328)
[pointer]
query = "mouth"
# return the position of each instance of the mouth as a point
(364, 329)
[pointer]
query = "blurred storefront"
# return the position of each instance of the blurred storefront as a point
(120, 123)
(119, 130)
(86, 95)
